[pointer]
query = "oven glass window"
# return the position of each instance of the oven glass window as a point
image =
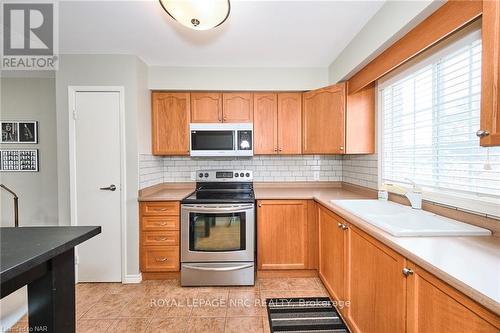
(217, 232)
(212, 140)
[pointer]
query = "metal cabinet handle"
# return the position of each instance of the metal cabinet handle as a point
(339, 225)
(482, 134)
(111, 188)
(281, 149)
(275, 149)
(344, 227)
(407, 271)
(161, 239)
(162, 223)
(161, 259)
(341, 148)
(260, 205)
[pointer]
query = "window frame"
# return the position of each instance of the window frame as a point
(474, 203)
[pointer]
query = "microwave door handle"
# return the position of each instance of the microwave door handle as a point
(218, 269)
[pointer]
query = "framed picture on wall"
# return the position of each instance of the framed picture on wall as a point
(19, 132)
(19, 160)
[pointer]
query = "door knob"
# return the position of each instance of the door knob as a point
(111, 188)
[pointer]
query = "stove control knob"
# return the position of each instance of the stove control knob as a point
(200, 175)
(206, 175)
(242, 174)
(236, 174)
(247, 175)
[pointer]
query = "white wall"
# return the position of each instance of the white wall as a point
(234, 78)
(29, 98)
(101, 70)
(389, 24)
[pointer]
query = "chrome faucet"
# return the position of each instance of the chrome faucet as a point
(16, 204)
(414, 195)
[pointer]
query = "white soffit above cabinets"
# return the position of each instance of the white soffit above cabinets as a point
(256, 34)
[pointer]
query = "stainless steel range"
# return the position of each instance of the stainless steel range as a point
(218, 230)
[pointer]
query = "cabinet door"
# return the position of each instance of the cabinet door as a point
(206, 107)
(265, 124)
(238, 107)
(324, 120)
(290, 123)
(281, 234)
(376, 286)
(170, 120)
(490, 85)
(332, 253)
(434, 306)
(360, 122)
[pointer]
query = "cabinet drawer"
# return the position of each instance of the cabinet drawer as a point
(160, 223)
(164, 208)
(160, 259)
(160, 238)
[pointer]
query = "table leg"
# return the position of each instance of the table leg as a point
(51, 298)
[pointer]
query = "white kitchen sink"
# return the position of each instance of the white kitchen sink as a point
(403, 221)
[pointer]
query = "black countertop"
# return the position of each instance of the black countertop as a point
(26, 247)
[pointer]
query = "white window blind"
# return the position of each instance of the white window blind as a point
(430, 114)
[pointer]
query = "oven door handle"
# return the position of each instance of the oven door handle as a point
(218, 269)
(218, 209)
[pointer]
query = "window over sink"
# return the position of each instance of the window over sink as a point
(429, 112)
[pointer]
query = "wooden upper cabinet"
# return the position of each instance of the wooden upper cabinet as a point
(433, 306)
(360, 121)
(376, 286)
(290, 123)
(282, 234)
(490, 85)
(170, 123)
(206, 107)
(265, 123)
(237, 107)
(323, 126)
(332, 253)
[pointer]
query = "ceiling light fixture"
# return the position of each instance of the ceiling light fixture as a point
(198, 14)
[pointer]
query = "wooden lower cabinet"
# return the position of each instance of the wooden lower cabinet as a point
(434, 306)
(283, 230)
(359, 269)
(159, 236)
(332, 249)
(376, 286)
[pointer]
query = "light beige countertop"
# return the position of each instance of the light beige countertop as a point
(166, 192)
(469, 264)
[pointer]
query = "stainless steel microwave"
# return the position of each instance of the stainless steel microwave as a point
(228, 139)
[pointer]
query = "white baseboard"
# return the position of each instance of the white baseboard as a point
(133, 278)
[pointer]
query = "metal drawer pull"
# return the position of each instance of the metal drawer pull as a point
(160, 209)
(161, 259)
(162, 223)
(218, 269)
(339, 225)
(161, 238)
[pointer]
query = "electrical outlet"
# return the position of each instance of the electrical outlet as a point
(316, 175)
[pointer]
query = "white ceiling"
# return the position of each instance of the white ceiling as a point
(256, 34)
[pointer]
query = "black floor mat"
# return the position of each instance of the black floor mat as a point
(307, 314)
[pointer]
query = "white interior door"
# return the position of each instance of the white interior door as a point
(98, 166)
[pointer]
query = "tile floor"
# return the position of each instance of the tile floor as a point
(164, 306)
